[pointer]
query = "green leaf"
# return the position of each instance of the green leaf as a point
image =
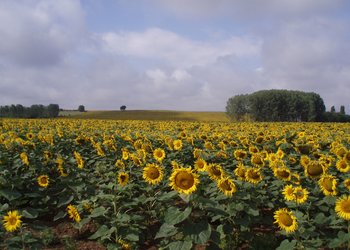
(64, 200)
(287, 245)
(199, 233)
(167, 196)
(10, 194)
(180, 245)
(30, 213)
(132, 237)
(4, 207)
(60, 215)
(166, 230)
(102, 232)
(98, 212)
(174, 215)
(253, 212)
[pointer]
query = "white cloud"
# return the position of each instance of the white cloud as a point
(176, 50)
(39, 32)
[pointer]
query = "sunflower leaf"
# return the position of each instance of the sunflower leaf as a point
(287, 245)
(174, 216)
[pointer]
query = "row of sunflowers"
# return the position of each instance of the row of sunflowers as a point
(176, 185)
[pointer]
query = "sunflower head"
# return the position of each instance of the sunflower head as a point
(153, 174)
(257, 160)
(286, 220)
(288, 193)
(240, 154)
(282, 173)
(343, 166)
(300, 194)
(177, 144)
(227, 186)
(314, 169)
(159, 154)
(73, 213)
(215, 171)
(43, 181)
(347, 183)
(12, 221)
(342, 207)
(253, 175)
(123, 178)
(240, 172)
(184, 180)
(328, 185)
(200, 164)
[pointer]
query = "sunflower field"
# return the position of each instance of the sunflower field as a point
(175, 185)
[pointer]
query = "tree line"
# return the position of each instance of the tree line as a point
(34, 111)
(282, 105)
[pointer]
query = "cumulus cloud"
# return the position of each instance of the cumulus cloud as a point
(48, 54)
(176, 50)
(39, 32)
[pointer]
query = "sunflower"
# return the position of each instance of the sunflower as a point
(125, 154)
(119, 164)
(272, 157)
(347, 157)
(253, 149)
(79, 159)
(174, 164)
(215, 171)
(240, 171)
(328, 185)
(208, 145)
(314, 169)
(286, 220)
(24, 158)
(300, 195)
(257, 160)
(12, 221)
(197, 152)
(159, 154)
(123, 178)
(227, 186)
(253, 175)
(200, 164)
(177, 144)
(43, 181)
(73, 213)
(304, 160)
(240, 154)
(184, 180)
(280, 153)
(60, 167)
(343, 166)
(347, 183)
(342, 207)
(153, 174)
(288, 193)
(341, 151)
(282, 173)
(30, 136)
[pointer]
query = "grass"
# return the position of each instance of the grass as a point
(162, 115)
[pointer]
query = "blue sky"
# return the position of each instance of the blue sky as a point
(165, 54)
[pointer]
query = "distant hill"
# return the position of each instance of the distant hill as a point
(162, 115)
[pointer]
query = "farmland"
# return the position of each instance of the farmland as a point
(146, 184)
(162, 115)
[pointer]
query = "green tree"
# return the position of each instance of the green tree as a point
(342, 110)
(237, 107)
(53, 110)
(81, 108)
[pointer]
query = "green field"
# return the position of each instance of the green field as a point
(162, 115)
